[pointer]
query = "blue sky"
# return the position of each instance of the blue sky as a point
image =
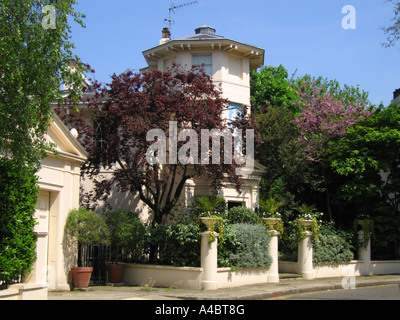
(302, 35)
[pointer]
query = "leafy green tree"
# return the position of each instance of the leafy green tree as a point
(368, 160)
(347, 94)
(278, 102)
(393, 31)
(34, 57)
(286, 167)
(272, 86)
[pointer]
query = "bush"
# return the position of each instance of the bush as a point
(87, 227)
(245, 246)
(242, 215)
(18, 198)
(176, 245)
(333, 245)
(127, 235)
(209, 204)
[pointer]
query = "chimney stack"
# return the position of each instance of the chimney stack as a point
(166, 36)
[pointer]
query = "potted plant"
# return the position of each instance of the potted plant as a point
(211, 210)
(85, 227)
(127, 235)
(307, 221)
(213, 221)
(367, 225)
(270, 216)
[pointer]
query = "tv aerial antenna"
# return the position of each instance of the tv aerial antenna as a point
(172, 9)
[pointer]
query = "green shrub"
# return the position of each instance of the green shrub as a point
(245, 246)
(18, 198)
(176, 245)
(127, 235)
(242, 215)
(333, 245)
(209, 204)
(87, 227)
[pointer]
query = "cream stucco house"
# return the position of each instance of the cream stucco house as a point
(229, 63)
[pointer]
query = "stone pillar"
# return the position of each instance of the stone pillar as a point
(305, 259)
(364, 254)
(273, 274)
(209, 261)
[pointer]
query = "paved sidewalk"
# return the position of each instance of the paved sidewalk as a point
(255, 292)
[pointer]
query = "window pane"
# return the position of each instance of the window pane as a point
(198, 60)
(235, 110)
(205, 61)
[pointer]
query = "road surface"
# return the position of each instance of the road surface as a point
(390, 292)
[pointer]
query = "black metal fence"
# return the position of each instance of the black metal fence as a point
(97, 258)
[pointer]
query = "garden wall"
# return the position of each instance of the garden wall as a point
(190, 278)
(24, 292)
(163, 276)
(361, 267)
(208, 276)
(353, 268)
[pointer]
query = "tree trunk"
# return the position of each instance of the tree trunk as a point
(328, 197)
(328, 202)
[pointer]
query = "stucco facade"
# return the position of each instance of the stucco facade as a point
(59, 183)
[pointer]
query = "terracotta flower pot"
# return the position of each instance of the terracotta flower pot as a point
(81, 276)
(116, 273)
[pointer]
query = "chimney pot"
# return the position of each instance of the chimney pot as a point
(166, 36)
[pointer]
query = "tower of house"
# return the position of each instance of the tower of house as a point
(227, 61)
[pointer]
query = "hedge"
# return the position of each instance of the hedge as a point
(18, 198)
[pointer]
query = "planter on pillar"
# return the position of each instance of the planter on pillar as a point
(273, 224)
(275, 227)
(212, 222)
(305, 247)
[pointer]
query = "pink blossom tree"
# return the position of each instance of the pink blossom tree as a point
(323, 118)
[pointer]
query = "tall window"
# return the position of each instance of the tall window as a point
(205, 61)
(235, 110)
